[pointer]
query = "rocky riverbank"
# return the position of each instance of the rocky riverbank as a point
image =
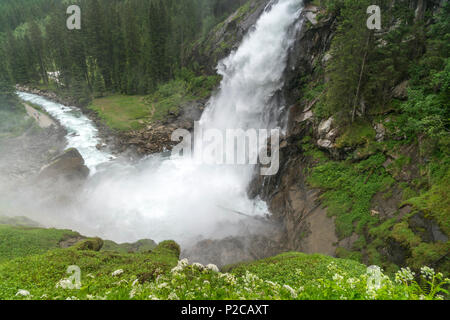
(155, 137)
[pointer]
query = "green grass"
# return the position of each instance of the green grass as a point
(121, 112)
(171, 95)
(23, 241)
(295, 268)
(139, 246)
(39, 274)
(158, 274)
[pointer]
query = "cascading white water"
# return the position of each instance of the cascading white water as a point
(81, 131)
(179, 198)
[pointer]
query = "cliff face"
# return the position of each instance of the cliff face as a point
(342, 190)
(310, 210)
(291, 201)
(226, 37)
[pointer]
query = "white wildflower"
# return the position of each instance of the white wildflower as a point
(183, 262)
(404, 275)
(212, 267)
(427, 272)
(163, 285)
(67, 284)
(291, 291)
(117, 273)
(198, 266)
(173, 296)
(337, 277)
(23, 293)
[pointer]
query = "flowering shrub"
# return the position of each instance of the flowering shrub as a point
(196, 281)
(161, 275)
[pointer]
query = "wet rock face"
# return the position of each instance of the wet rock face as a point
(226, 37)
(69, 165)
(233, 250)
(306, 226)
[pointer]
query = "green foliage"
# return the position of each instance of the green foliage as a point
(123, 47)
(23, 241)
(349, 189)
(403, 234)
(360, 133)
(140, 246)
(349, 51)
(168, 98)
(40, 274)
(157, 274)
(435, 202)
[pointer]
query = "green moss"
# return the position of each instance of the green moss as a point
(347, 254)
(430, 254)
(360, 133)
(93, 244)
(403, 234)
(435, 203)
(349, 189)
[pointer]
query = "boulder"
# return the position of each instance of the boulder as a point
(381, 131)
(69, 165)
(324, 143)
(93, 244)
(310, 13)
(400, 91)
(325, 127)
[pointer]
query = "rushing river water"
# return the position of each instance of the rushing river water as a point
(81, 131)
(179, 198)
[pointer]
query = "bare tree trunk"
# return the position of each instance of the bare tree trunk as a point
(358, 89)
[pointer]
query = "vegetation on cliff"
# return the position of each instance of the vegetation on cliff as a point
(385, 175)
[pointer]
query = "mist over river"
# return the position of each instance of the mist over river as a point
(163, 197)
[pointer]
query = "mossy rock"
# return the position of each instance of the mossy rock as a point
(169, 245)
(92, 244)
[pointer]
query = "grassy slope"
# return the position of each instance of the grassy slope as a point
(122, 112)
(19, 241)
(159, 275)
(29, 261)
(39, 274)
(282, 268)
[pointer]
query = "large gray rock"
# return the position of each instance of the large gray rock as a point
(69, 165)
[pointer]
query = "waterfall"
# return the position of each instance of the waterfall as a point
(179, 198)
